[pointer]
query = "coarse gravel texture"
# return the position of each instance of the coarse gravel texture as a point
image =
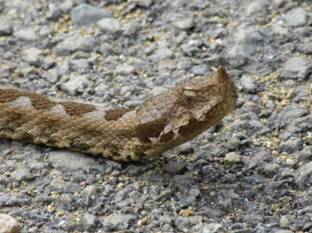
(252, 173)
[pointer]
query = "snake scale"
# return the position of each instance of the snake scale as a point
(160, 123)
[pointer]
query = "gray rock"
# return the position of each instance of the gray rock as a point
(248, 84)
(211, 228)
(51, 75)
(200, 69)
(125, 69)
(288, 115)
(88, 194)
(74, 43)
(270, 169)
(142, 3)
(109, 25)
(303, 176)
(232, 158)
(21, 173)
(79, 64)
(186, 224)
(282, 231)
(257, 7)
(32, 55)
(185, 23)
(9, 224)
(72, 160)
(88, 221)
(306, 154)
(5, 29)
(292, 145)
(296, 17)
(284, 222)
(86, 15)
(162, 53)
(297, 68)
(247, 40)
(27, 34)
(117, 221)
(76, 83)
(65, 201)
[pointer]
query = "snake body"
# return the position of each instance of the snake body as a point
(160, 123)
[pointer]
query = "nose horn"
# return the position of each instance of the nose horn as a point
(222, 75)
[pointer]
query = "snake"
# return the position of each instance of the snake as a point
(161, 122)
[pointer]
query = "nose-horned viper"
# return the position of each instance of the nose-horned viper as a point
(160, 123)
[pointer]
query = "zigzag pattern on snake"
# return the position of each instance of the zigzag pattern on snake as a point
(160, 123)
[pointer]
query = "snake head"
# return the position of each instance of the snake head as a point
(185, 111)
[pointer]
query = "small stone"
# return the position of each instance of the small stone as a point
(74, 43)
(119, 221)
(142, 3)
(270, 169)
(85, 15)
(296, 17)
(248, 84)
(303, 176)
(282, 231)
(200, 69)
(27, 34)
(185, 23)
(306, 154)
(75, 84)
(211, 228)
(125, 69)
(297, 68)
(32, 55)
(21, 173)
(88, 194)
(8, 224)
(291, 145)
(284, 222)
(232, 158)
(5, 29)
(72, 160)
(51, 75)
(88, 221)
(110, 25)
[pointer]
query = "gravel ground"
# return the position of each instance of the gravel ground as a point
(251, 173)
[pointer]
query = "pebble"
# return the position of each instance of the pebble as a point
(200, 69)
(232, 158)
(296, 17)
(185, 23)
(76, 83)
(26, 34)
(74, 43)
(109, 25)
(291, 145)
(86, 15)
(117, 221)
(5, 29)
(284, 222)
(9, 224)
(304, 175)
(211, 228)
(248, 84)
(72, 160)
(88, 221)
(124, 69)
(32, 55)
(296, 68)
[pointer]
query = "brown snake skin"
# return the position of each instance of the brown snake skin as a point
(160, 123)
